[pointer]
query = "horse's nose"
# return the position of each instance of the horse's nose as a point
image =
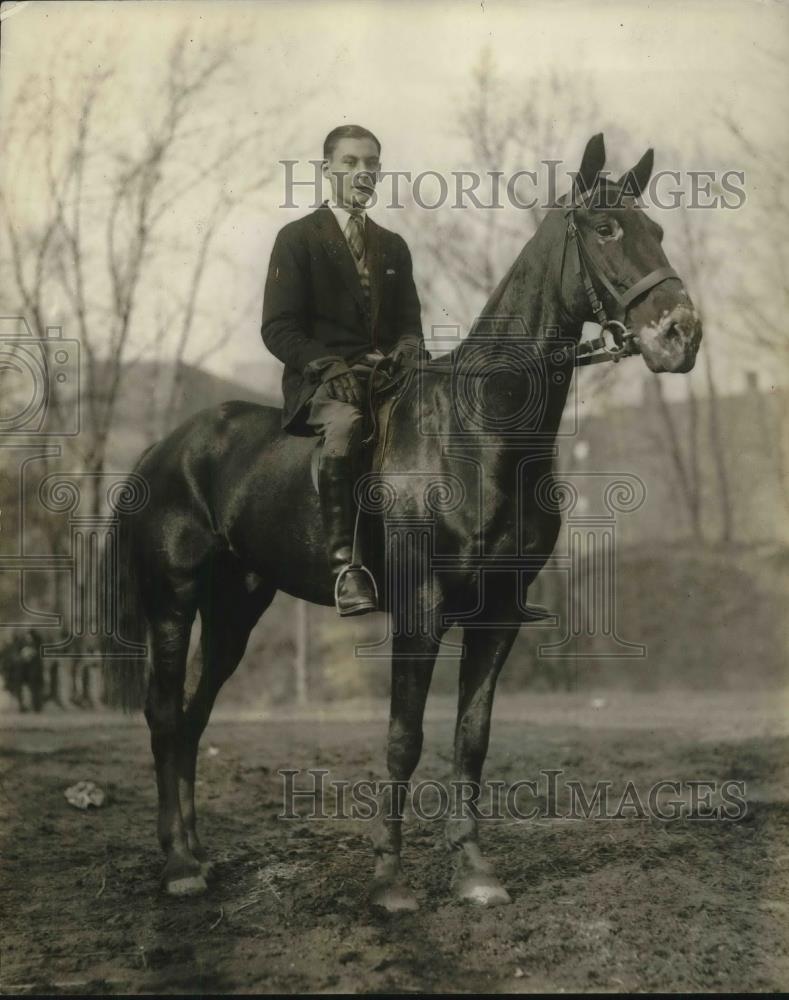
(685, 328)
(671, 345)
(685, 323)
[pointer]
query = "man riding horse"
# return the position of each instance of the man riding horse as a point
(219, 516)
(339, 292)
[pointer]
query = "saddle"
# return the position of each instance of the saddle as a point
(382, 389)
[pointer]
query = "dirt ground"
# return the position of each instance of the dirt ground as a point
(618, 904)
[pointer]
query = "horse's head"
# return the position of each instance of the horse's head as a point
(613, 266)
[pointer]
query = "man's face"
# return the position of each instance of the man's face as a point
(353, 170)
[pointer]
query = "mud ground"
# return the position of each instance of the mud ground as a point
(628, 904)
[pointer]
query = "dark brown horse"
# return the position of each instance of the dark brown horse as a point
(465, 518)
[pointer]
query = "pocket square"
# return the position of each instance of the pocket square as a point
(390, 270)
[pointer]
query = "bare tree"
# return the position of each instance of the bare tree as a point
(760, 299)
(679, 446)
(505, 127)
(87, 240)
(103, 238)
(698, 258)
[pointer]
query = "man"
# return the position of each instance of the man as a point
(339, 290)
(22, 666)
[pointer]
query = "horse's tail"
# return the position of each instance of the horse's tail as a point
(125, 660)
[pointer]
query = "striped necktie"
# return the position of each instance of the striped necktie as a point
(354, 233)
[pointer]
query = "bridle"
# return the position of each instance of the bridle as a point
(590, 352)
(599, 350)
(624, 342)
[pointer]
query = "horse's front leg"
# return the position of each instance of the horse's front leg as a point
(413, 658)
(486, 651)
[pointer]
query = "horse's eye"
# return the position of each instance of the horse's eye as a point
(604, 229)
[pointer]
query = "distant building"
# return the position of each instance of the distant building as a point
(753, 431)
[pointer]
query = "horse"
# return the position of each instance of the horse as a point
(230, 517)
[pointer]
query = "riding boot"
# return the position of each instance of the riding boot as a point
(354, 588)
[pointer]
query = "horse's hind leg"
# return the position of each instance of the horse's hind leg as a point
(486, 651)
(171, 625)
(413, 658)
(230, 604)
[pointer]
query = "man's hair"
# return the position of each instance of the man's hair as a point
(346, 132)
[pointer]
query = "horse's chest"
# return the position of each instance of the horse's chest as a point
(485, 527)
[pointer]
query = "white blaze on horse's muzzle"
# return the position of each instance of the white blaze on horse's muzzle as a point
(670, 344)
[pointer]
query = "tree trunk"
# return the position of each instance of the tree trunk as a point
(302, 652)
(718, 450)
(684, 473)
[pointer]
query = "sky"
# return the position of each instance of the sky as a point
(662, 71)
(401, 64)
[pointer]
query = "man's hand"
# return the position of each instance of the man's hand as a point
(408, 347)
(342, 384)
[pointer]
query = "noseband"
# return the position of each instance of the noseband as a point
(587, 269)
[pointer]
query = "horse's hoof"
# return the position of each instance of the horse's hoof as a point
(482, 890)
(394, 898)
(186, 885)
(200, 854)
(183, 877)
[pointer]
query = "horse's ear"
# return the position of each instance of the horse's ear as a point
(634, 181)
(592, 163)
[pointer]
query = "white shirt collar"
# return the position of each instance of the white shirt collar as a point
(342, 215)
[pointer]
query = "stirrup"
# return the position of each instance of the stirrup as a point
(349, 566)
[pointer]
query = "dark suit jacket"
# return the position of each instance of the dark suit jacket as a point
(314, 306)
